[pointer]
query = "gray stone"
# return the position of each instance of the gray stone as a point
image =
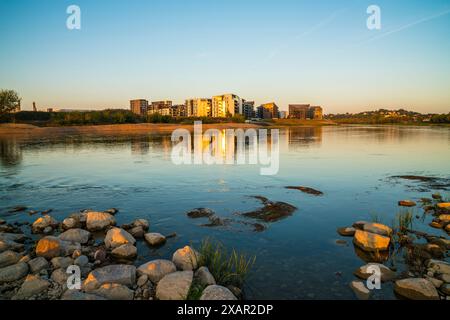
(155, 239)
(445, 289)
(137, 232)
(174, 286)
(8, 258)
(16, 237)
(37, 264)
(141, 223)
(120, 273)
(6, 245)
(125, 251)
(96, 221)
(445, 277)
(117, 237)
(114, 291)
(186, 258)
(156, 269)
(215, 292)
(436, 282)
(142, 280)
(69, 223)
(360, 290)
(13, 272)
(346, 231)
(204, 276)
(416, 289)
(386, 273)
(61, 262)
(43, 222)
(60, 276)
(439, 266)
(32, 285)
(81, 261)
(75, 235)
(78, 295)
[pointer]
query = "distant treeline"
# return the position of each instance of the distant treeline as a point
(390, 117)
(112, 116)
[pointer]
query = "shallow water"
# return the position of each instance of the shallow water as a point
(297, 257)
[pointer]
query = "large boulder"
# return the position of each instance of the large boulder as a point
(75, 235)
(31, 286)
(174, 286)
(8, 258)
(386, 273)
(96, 221)
(42, 223)
(49, 247)
(157, 269)
(13, 272)
(377, 228)
(37, 264)
(117, 237)
(119, 273)
(155, 239)
(444, 205)
(186, 258)
(215, 292)
(371, 242)
(125, 252)
(416, 289)
(360, 290)
(114, 291)
(204, 276)
(10, 245)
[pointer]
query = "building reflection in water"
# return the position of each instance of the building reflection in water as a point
(10, 152)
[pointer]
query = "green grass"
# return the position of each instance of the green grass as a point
(404, 221)
(227, 268)
(375, 217)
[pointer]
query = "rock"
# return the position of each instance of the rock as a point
(445, 289)
(75, 235)
(307, 190)
(100, 255)
(112, 211)
(32, 285)
(2, 221)
(48, 230)
(436, 196)
(341, 242)
(117, 237)
(125, 251)
(97, 221)
(436, 282)
(142, 280)
(156, 269)
(77, 253)
(272, 211)
(25, 259)
(435, 224)
(200, 213)
(215, 292)
(78, 295)
(444, 218)
(141, 223)
(174, 286)
(447, 228)
(406, 203)
(416, 289)
(359, 224)
(137, 232)
(346, 231)
(360, 290)
(49, 247)
(445, 277)
(60, 276)
(37, 264)
(81, 261)
(114, 291)
(155, 239)
(443, 205)
(204, 276)
(370, 241)
(43, 222)
(16, 237)
(186, 258)
(120, 274)
(377, 228)
(69, 223)
(439, 266)
(61, 262)
(8, 258)
(13, 272)
(6, 245)
(17, 209)
(386, 273)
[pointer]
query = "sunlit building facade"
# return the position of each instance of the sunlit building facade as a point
(139, 106)
(226, 105)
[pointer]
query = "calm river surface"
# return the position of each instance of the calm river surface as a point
(297, 257)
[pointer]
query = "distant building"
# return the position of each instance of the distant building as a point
(268, 111)
(283, 114)
(248, 109)
(139, 106)
(179, 110)
(298, 111)
(315, 113)
(226, 105)
(201, 107)
(162, 107)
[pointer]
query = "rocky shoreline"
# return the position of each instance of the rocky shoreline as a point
(70, 252)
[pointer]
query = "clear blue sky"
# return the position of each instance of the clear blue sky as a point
(287, 51)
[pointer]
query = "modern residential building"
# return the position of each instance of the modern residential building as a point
(161, 107)
(283, 114)
(268, 111)
(315, 113)
(139, 106)
(226, 105)
(179, 110)
(248, 109)
(298, 111)
(201, 107)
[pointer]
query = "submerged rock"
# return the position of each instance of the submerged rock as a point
(215, 292)
(272, 211)
(200, 213)
(307, 190)
(156, 269)
(371, 241)
(416, 289)
(186, 258)
(174, 286)
(155, 239)
(407, 203)
(346, 231)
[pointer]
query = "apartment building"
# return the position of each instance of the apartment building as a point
(139, 106)
(226, 105)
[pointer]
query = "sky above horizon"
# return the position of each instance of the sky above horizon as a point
(289, 51)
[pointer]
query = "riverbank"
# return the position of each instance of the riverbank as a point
(141, 128)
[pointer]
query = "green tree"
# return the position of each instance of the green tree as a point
(9, 101)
